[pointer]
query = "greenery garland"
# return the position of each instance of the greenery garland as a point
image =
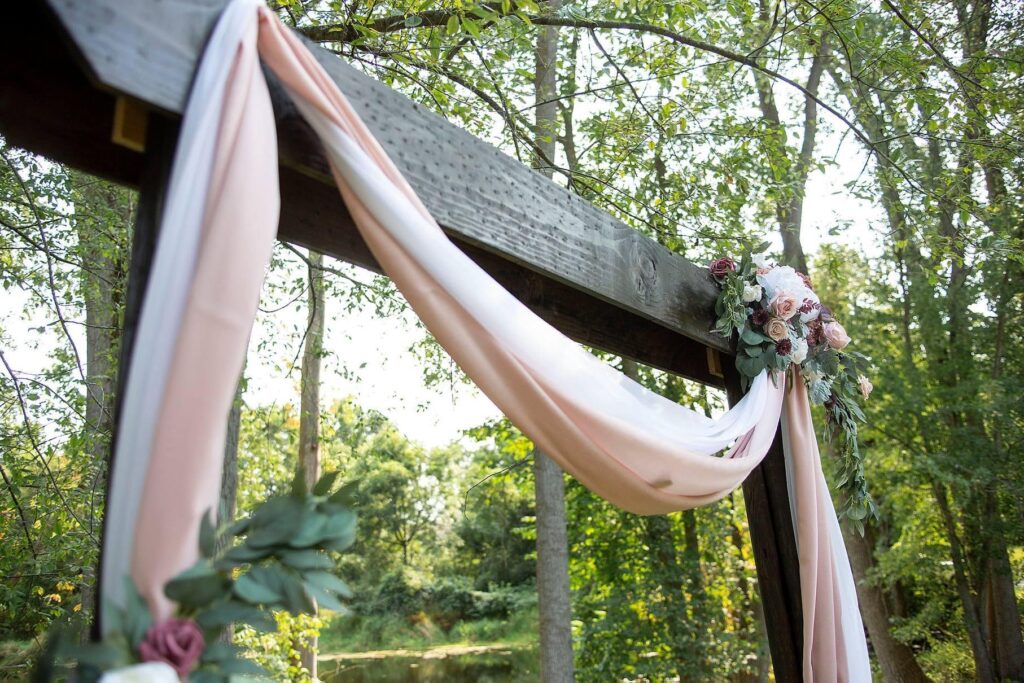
(780, 323)
(278, 558)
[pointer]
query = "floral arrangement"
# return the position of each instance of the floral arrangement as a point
(278, 558)
(780, 324)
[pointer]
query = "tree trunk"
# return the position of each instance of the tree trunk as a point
(555, 605)
(895, 658)
(309, 409)
(556, 658)
(103, 217)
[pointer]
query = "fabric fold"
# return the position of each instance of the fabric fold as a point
(635, 448)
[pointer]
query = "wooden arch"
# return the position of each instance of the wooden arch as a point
(76, 71)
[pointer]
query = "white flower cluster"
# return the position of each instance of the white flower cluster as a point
(785, 279)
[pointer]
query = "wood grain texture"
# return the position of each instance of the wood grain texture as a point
(148, 49)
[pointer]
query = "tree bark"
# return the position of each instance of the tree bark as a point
(103, 217)
(309, 409)
(895, 658)
(554, 600)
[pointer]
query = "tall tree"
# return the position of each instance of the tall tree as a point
(309, 408)
(556, 661)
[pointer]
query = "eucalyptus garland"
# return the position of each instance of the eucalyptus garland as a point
(780, 323)
(278, 558)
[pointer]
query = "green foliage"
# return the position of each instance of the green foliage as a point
(275, 559)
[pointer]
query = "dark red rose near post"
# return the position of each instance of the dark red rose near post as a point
(176, 642)
(721, 267)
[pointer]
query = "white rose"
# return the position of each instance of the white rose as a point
(751, 293)
(813, 377)
(784, 278)
(799, 352)
(151, 672)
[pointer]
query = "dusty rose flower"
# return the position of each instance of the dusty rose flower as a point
(835, 335)
(761, 316)
(783, 346)
(784, 305)
(777, 329)
(722, 267)
(865, 386)
(177, 642)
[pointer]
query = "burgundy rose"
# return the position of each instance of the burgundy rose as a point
(761, 317)
(722, 267)
(176, 642)
(815, 332)
(784, 347)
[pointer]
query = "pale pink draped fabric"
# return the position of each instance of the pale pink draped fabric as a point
(620, 461)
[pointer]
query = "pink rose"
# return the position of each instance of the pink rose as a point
(177, 642)
(865, 386)
(722, 267)
(777, 329)
(835, 335)
(784, 305)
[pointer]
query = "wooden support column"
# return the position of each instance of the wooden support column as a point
(773, 538)
(161, 139)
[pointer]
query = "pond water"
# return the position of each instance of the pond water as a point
(492, 666)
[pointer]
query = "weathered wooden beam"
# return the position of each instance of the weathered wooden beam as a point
(160, 140)
(148, 49)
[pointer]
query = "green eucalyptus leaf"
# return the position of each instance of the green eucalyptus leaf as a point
(325, 599)
(207, 536)
(254, 592)
(345, 495)
(306, 559)
(325, 484)
(327, 581)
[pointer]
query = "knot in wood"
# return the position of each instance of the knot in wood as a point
(644, 267)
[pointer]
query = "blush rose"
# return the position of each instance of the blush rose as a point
(784, 305)
(835, 335)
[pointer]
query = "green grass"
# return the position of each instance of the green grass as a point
(364, 633)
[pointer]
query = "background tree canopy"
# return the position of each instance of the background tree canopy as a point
(878, 145)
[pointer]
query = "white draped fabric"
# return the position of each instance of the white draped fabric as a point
(637, 449)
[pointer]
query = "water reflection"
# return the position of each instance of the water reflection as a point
(495, 666)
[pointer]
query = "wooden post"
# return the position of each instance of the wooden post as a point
(161, 139)
(773, 538)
